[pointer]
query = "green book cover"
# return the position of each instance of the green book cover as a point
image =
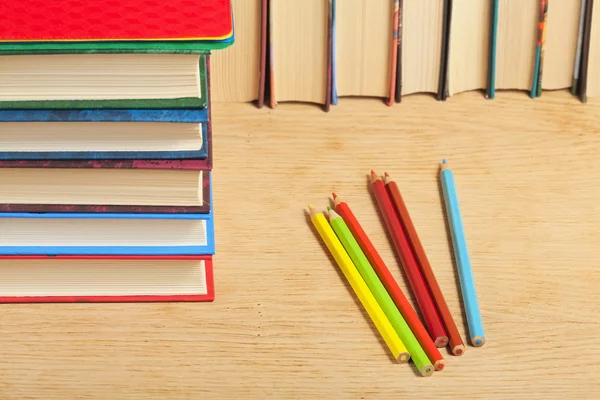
(186, 102)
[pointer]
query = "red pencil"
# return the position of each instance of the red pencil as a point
(390, 284)
(432, 319)
(456, 344)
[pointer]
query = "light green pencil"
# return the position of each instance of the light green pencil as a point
(386, 303)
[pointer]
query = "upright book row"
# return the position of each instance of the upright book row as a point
(106, 150)
(319, 51)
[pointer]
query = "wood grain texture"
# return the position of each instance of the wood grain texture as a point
(285, 325)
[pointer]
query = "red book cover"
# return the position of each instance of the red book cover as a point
(114, 20)
(33, 273)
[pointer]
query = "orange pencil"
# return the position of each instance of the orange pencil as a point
(390, 284)
(456, 344)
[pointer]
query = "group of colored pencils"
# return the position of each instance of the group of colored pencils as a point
(389, 309)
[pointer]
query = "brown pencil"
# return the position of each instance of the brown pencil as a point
(433, 322)
(456, 344)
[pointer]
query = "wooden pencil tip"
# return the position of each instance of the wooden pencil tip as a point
(312, 211)
(441, 341)
(332, 214)
(427, 370)
(458, 350)
(374, 176)
(387, 178)
(334, 196)
(444, 161)
(439, 365)
(403, 358)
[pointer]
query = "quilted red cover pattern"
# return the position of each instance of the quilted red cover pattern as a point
(109, 20)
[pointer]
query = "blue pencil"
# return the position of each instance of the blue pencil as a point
(461, 254)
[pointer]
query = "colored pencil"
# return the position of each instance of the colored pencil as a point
(461, 254)
(456, 344)
(359, 286)
(394, 57)
(384, 274)
(413, 273)
(381, 295)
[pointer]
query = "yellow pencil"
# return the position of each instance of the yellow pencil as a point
(359, 286)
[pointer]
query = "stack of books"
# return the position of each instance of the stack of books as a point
(106, 158)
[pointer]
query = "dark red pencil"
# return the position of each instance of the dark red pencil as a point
(456, 343)
(409, 264)
(390, 284)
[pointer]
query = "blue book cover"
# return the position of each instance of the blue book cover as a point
(197, 116)
(188, 234)
(181, 234)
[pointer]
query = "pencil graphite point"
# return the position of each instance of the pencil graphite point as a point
(444, 161)
(334, 196)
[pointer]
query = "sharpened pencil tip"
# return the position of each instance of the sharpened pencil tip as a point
(444, 161)
(374, 176)
(334, 195)
(312, 211)
(328, 208)
(386, 175)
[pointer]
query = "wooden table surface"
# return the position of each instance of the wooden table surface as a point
(286, 325)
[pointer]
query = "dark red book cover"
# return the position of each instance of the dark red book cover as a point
(117, 209)
(208, 296)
